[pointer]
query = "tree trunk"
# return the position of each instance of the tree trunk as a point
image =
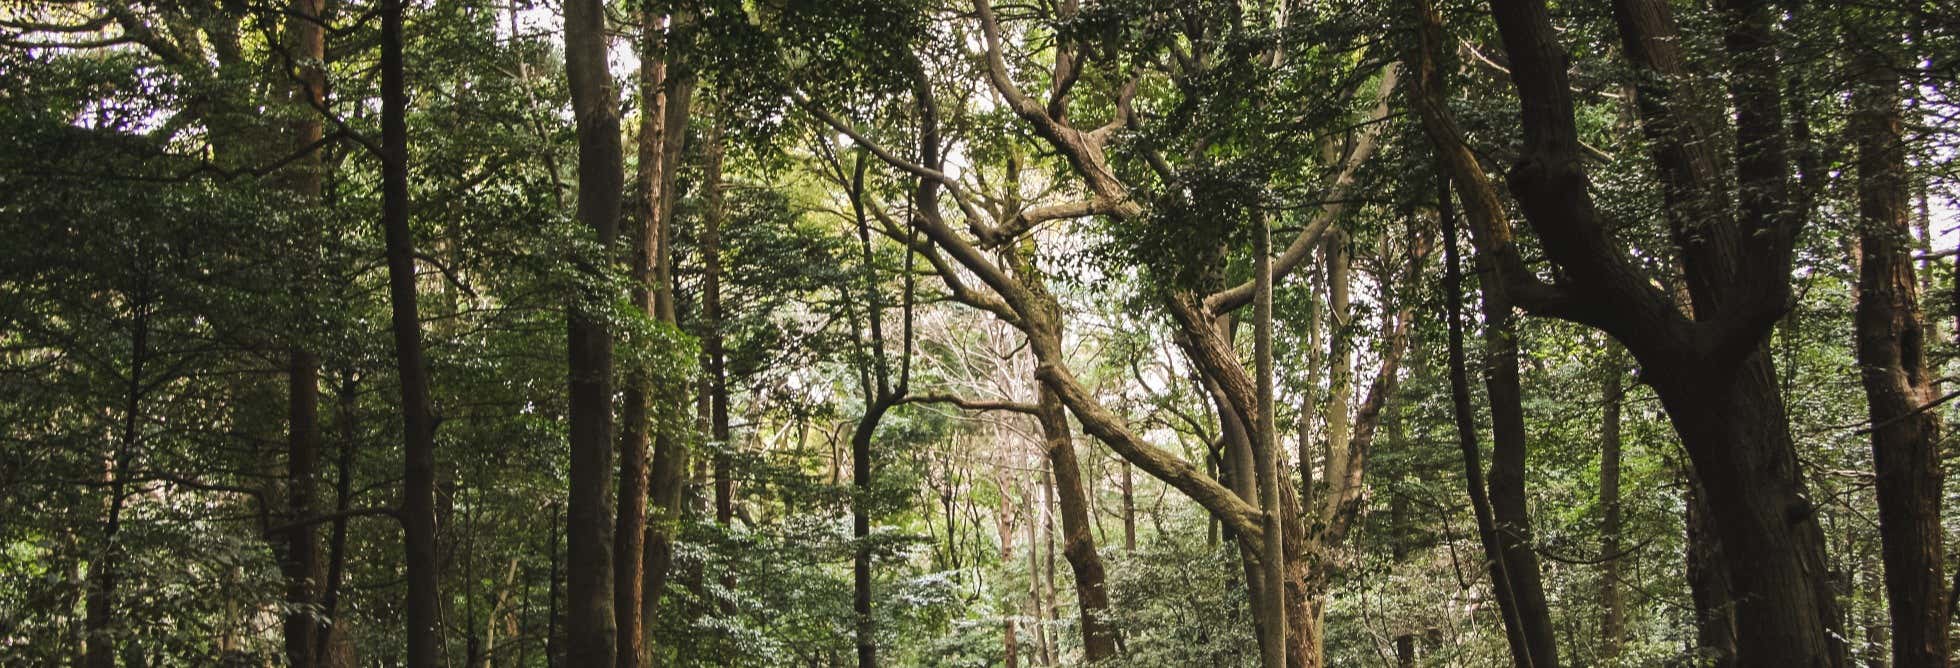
(1078, 546)
(669, 478)
(104, 573)
(711, 336)
(331, 642)
(418, 511)
(1466, 431)
(1510, 509)
(590, 625)
(1611, 619)
(861, 490)
(1272, 554)
(1708, 583)
(637, 423)
(1738, 436)
(301, 562)
(1905, 431)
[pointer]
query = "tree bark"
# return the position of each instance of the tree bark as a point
(671, 456)
(1710, 371)
(418, 510)
(1510, 508)
(711, 322)
(637, 423)
(1515, 632)
(1078, 546)
(301, 562)
(1708, 583)
(1905, 430)
(861, 490)
(1611, 618)
(1272, 554)
(591, 626)
(105, 568)
(332, 639)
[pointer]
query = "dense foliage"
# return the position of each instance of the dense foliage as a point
(956, 333)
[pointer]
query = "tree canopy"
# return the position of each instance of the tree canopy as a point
(974, 333)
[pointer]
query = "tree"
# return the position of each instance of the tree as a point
(589, 517)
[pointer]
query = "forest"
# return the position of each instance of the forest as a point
(962, 333)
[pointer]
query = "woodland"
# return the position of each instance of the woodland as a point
(1276, 333)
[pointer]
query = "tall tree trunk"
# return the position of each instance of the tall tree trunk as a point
(1510, 509)
(1905, 431)
(711, 323)
(1611, 618)
(1466, 431)
(861, 490)
(669, 483)
(331, 638)
(637, 423)
(1340, 347)
(1772, 546)
(1272, 554)
(1078, 546)
(418, 510)
(590, 626)
(105, 568)
(1710, 371)
(301, 562)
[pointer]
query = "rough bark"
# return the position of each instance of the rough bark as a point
(590, 623)
(1708, 584)
(300, 564)
(671, 456)
(636, 422)
(1905, 431)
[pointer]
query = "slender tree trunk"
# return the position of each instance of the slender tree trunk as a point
(1905, 432)
(1079, 547)
(1272, 555)
(1466, 431)
(301, 562)
(1129, 508)
(591, 625)
(1510, 508)
(861, 490)
(669, 484)
(331, 637)
(554, 640)
(1340, 346)
(630, 591)
(711, 339)
(104, 573)
(418, 510)
(1611, 618)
